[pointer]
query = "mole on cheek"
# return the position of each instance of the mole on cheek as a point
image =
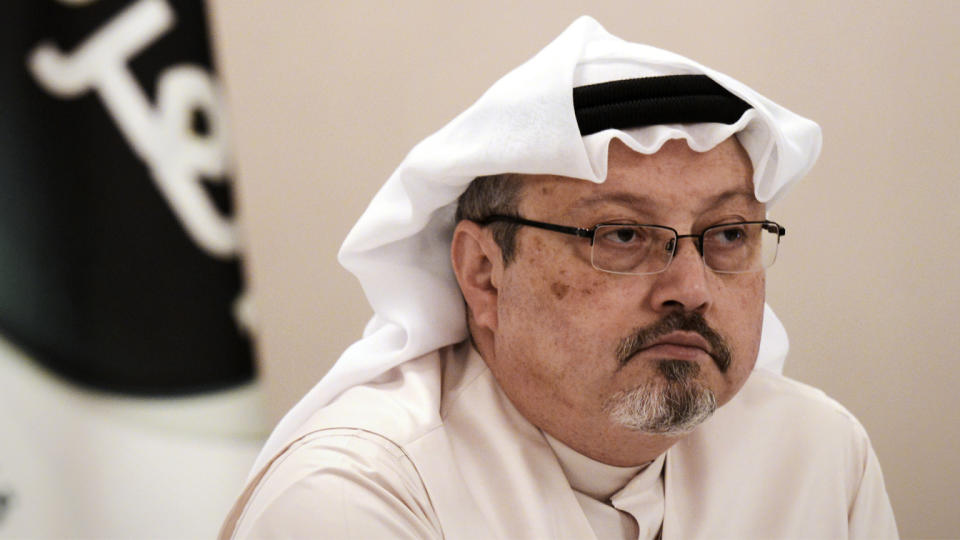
(559, 289)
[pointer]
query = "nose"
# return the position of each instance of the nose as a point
(684, 284)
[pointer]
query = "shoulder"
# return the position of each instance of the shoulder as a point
(800, 464)
(770, 397)
(400, 405)
(346, 472)
(779, 428)
(781, 390)
(340, 482)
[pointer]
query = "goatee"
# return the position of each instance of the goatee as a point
(673, 406)
(678, 402)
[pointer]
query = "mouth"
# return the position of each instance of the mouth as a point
(678, 336)
(679, 346)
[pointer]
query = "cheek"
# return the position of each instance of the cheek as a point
(553, 347)
(741, 321)
(549, 278)
(549, 305)
(551, 313)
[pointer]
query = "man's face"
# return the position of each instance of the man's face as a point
(575, 348)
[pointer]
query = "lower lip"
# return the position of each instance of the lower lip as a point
(678, 352)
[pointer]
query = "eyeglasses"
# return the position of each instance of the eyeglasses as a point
(728, 248)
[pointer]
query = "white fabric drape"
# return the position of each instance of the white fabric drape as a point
(525, 123)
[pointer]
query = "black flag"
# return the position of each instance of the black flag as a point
(118, 249)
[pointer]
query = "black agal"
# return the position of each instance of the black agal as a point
(648, 101)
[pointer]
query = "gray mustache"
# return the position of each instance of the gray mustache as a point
(674, 322)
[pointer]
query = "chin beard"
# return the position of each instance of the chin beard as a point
(672, 405)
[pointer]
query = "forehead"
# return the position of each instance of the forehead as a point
(674, 180)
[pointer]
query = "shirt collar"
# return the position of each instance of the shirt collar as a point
(599, 480)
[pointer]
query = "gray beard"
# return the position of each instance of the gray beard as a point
(672, 405)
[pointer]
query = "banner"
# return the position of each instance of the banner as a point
(120, 284)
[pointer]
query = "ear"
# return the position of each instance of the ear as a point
(478, 265)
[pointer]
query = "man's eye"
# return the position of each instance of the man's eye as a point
(622, 236)
(732, 235)
(726, 236)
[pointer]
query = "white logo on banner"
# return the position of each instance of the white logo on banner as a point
(161, 134)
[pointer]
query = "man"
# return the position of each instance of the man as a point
(568, 282)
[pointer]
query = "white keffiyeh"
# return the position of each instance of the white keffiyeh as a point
(525, 123)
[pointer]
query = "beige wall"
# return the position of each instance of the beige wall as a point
(327, 98)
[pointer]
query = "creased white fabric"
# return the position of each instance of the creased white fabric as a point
(619, 502)
(525, 123)
(434, 449)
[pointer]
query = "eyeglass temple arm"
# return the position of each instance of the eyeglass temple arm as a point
(782, 231)
(575, 231)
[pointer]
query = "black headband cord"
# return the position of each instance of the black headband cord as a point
(669, 99)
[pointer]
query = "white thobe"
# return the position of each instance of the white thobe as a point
(619, 502)
(434, 449)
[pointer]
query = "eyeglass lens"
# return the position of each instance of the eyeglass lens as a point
(643, 249)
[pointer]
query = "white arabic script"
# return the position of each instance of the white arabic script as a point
(160, 134)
